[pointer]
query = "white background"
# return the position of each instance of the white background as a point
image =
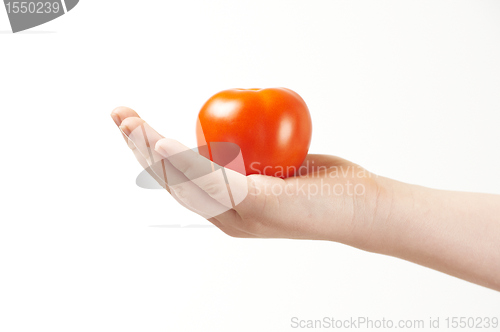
(408, 89)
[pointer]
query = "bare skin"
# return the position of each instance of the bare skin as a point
(332, 199)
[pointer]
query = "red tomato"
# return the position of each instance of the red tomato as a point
(272, 127)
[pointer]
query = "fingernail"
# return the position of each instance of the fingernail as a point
(160, 148)
(116, 119)
(125, 130)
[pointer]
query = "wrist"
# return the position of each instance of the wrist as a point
(396, 206)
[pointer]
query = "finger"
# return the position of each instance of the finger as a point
(222, 184)
(143, 138)
(189, 195)
(195, 199)
(121, 113)
(140, 150)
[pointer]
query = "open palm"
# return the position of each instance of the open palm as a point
(329, 198)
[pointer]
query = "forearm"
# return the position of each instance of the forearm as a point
(457, 233)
